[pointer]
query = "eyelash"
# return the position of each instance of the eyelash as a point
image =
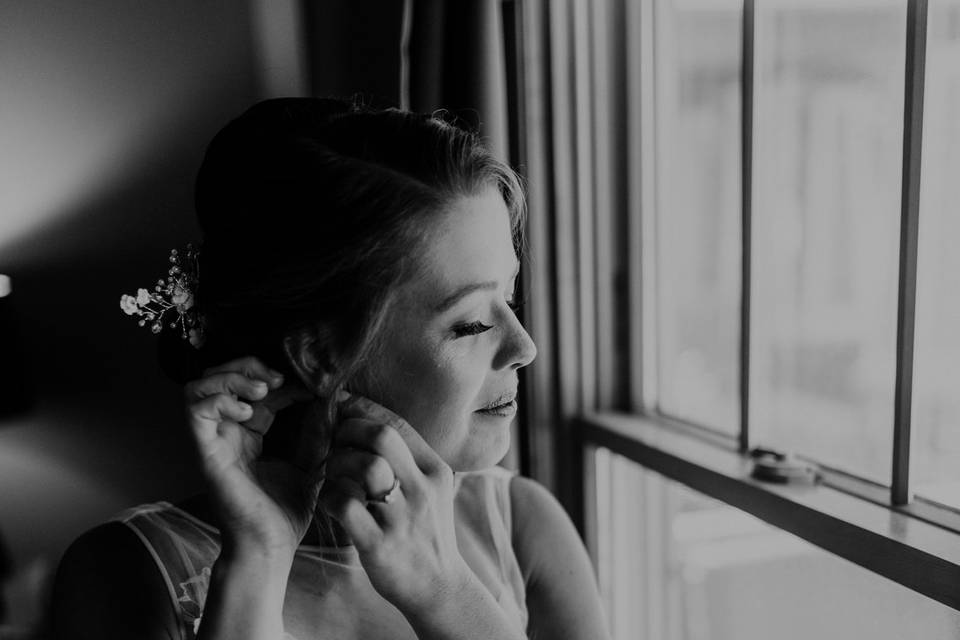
(476, 328)
(472, 329)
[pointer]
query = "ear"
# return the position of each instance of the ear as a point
(312, 358)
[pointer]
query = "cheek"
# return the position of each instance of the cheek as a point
(432, 391)
(444, 395)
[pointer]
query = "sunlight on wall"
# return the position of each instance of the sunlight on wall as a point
(57, 495)
(91, 90)
(58, 499)
(105, 112)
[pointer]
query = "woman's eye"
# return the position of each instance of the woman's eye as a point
(471, 329)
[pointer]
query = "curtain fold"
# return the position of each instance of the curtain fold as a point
(353, 49)
(457, 63)
(576, 135)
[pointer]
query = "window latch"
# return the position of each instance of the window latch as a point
(770, 465)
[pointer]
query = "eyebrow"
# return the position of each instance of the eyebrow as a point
(466, 290)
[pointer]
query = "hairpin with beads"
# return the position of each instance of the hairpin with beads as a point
(174, 295)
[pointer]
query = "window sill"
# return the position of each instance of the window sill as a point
(890, 542)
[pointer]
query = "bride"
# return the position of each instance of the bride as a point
(357, 279)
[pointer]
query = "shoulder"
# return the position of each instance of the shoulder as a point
(108, 586)
(562, 595)
(535, 505)
(541, 527)
(527, 489)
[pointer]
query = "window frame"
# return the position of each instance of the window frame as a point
(910, 540)
(889, 541)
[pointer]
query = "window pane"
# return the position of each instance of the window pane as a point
(829, 129)
(677, 565)
(936, 398)
(697, 51)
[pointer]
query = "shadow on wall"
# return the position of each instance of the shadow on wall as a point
(107, 430)
(109, 106)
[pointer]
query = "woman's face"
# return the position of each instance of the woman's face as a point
(452, 345)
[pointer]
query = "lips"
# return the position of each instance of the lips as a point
(503, 405)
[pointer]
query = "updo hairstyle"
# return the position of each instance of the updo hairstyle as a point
(313, 211)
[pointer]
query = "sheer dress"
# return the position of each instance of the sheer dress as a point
(329, 596)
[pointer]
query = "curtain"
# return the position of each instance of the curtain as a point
(575, 139)
(421, 55)
(455, 60)
(353, 49)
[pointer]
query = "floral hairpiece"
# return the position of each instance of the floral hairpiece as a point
(175, 294)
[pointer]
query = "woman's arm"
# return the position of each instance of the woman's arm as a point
(562, 595)
(107, 587)
(245, 600)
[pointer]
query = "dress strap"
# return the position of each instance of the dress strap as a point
(184, 550)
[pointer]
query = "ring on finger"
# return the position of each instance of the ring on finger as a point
(388, 496)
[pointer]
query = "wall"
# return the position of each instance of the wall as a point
(106, 107)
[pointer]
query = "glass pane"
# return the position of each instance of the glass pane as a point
(697, 52)
(677, 565)
(936, 397)
(829, 134)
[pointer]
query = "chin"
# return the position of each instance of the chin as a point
(478, 455)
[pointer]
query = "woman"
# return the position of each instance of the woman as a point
(365, 263)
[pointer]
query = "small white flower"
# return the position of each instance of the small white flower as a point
(182, 298)
(143, 297)
(129, 305)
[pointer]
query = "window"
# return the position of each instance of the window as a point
(936, 402)
(713, 572)
(696, 72)
(828, 122)
(783, 220)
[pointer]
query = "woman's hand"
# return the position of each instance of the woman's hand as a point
(407, 545)
(265, 506)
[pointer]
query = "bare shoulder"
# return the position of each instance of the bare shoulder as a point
(562, 595)
(542, 530)
(523, 489)
(108, 586)
(534, 509)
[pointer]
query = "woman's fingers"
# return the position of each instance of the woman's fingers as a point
(368, 411)
(207, 414)
(344, 500)
(266, 400)
(250, 367)
(370, 471)
(383, 441)
(237, 386)
(227, 382)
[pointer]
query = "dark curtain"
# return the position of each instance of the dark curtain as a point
(353, 49)
(423, 55)
(456, 53)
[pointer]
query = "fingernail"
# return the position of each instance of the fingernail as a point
(259, 385)
(342, 395)
(245, 408)
(276, 379)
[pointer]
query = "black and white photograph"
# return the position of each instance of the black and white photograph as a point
(479, 319)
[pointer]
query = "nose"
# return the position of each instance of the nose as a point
(517, 349)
